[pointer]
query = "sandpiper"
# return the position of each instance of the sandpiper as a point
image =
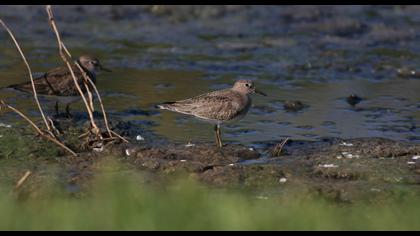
(217, 107)
(58, 82)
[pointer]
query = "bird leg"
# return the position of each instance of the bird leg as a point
(68, 114)
(218, 136)
(56, 109)
(215, 132)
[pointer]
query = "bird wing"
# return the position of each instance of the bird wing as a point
(218, 105)
(56, 82)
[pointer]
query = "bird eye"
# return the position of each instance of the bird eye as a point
(247, 85)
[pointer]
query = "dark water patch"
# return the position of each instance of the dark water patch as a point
(138, 112)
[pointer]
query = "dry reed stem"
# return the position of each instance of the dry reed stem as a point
(119, 136)
(90, 96)
(63, 51)
(38, 130)
(89, 104)
(23, 179)
(279, 147)
(100, 102)
(29, 71)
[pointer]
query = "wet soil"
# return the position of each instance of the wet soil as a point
(368, 169)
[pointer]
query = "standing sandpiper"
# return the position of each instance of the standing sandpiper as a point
(219, 106)
(59, 83)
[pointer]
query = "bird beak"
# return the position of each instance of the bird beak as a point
(105, 69)
(260, 92)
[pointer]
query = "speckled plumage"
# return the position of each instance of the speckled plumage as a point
(59, 82)
(56, 82)
(217, 107)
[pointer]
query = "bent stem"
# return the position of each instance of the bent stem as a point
(29, 71)
(279, 147)
(66, 56)
(47, 135)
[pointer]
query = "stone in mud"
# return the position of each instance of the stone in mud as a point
(353, 99)
(293, 106)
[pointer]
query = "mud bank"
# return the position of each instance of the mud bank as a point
(343, 170)
(367, 169)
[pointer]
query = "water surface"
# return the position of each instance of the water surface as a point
(318, 55)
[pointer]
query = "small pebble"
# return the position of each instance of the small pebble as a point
(353, 99)
(348, 155)
(346, 144)
(5, 125)
(328, 166)
(183, 160)
(406, 72)
(98, 149)
(251, 149)
(189, 144)
(283, 180)
(415, 157)
(1, 136)
(293, 106)
(139, 138)
(127, 152)
(231, 164)
(411, 162)
(262, 197)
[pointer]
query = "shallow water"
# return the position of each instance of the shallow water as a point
(318, 55)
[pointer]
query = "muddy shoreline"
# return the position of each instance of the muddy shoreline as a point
(360, 169)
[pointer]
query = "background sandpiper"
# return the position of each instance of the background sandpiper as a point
(59, 83)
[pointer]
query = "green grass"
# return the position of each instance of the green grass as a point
(116, 202)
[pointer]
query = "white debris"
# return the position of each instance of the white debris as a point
(283, 180)
(5, 125)
(251, 149)
(231, 164)
(415, 157)
(347, 155)
(127, 152)
(411, 162)
(328, 165)
(183, 160)
(139, 138)
(346, 144)
(98, 149)
(262, 197)
(189, 144)
(397, 179)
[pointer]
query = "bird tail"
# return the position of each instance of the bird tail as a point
(165, 105)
